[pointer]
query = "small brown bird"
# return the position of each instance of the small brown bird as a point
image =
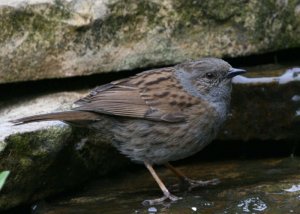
(159, 115)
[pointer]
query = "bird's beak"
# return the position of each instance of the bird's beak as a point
(235, 71)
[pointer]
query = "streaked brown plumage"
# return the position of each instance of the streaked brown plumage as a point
(159, 115)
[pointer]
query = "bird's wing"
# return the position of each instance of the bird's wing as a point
(154, 95)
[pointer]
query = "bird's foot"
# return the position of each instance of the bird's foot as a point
(198, 183)
(187, 184)
(156, 201)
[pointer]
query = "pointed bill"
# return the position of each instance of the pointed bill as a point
(234, 72)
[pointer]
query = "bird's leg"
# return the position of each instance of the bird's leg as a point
(187, 183)
(167, 194)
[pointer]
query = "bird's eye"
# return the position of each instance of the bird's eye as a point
(209, 75)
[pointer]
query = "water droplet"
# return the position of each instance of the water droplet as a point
(152, 210)
(298, 113)
(296, 98)
(34, 207)
(252, 204)
(81, 144)
(294, 188)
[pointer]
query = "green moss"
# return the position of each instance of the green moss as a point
(28, 153)
(40, 20)
(200, 17)
(52, 160)
(275, 24)
(195, 11)
(126, 21)
(30, 35)
(25, 162)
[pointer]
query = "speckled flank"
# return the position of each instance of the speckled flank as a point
(160, 142)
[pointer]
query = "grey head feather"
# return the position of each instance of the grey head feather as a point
(192, 76)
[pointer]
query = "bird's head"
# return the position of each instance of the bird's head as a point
(208, 78)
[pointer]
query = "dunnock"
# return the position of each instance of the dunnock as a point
(159, 115)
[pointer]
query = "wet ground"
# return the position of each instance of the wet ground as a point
(247, 186)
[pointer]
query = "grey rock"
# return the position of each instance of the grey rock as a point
(49, 157)
(42, 39)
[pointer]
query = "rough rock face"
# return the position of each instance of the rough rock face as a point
(58, 38)
(52, 159)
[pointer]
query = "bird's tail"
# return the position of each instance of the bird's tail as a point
(63, 116)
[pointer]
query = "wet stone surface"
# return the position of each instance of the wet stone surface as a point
(247, 186)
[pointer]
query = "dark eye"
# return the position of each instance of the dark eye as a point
(209, 75)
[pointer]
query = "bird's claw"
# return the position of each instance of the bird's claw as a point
(156, 201)
(187, 184)
(198, 183)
